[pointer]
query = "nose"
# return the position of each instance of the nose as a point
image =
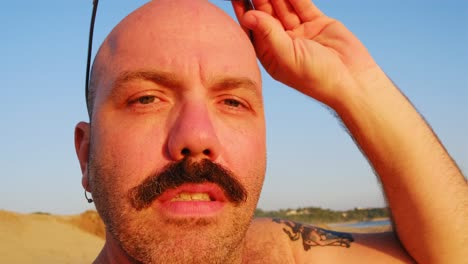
(193, 134)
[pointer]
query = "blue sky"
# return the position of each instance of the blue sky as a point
(422, 45)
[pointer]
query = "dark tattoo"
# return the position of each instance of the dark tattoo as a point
(314, 236)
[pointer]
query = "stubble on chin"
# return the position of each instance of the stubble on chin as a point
(147, 238)
(182, 240)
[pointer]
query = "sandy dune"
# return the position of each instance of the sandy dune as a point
(40, 238)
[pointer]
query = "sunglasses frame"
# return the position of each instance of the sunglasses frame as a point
(90, 49)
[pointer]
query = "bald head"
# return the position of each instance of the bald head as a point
(175, 80)
(187, 36)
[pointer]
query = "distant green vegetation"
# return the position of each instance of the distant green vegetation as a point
(41, 213)
(318, 215)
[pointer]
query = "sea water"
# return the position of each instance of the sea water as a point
(364, 224)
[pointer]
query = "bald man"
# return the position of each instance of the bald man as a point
(174, 154)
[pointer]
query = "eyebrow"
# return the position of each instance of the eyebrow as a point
(171, 80)
(231, 83)
(161, 78)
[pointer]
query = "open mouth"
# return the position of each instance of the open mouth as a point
(192, 200)
(205, 192)
(187, 197)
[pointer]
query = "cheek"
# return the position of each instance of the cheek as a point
(245, 154)
(132, 151)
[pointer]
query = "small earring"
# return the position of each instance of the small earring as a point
(86, 196)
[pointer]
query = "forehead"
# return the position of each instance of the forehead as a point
(192, 39)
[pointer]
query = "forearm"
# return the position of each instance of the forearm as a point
(426, 191)
(318, 56)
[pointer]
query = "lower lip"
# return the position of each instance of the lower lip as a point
(192, 208)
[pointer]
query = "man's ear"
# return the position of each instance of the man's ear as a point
(82, 134)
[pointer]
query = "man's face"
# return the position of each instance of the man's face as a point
(176, 80)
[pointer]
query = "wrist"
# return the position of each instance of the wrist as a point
(364, 92)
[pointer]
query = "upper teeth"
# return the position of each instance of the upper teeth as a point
(191, 197)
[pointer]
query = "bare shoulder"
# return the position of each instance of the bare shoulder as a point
(265, 244)
(283, 241)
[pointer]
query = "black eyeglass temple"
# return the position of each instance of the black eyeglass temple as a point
(90, 48)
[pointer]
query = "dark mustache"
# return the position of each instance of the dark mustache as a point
(185, 171)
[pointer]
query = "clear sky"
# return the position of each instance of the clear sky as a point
(422, 45)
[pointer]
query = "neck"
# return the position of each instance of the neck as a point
(112, 252)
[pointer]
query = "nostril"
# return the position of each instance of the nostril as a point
(185, 152)
(207, 152)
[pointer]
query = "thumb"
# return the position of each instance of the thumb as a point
(268, 31)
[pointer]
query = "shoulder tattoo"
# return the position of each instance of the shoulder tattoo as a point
(314, 236)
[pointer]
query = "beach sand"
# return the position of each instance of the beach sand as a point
(43, 238)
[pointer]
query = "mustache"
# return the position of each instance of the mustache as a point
(184, 171)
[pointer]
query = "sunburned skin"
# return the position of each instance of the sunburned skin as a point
(177, 85)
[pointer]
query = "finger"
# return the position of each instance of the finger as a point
(268, 31)
(240, 9)
(264, 6)
(286, 14)
(306, 10)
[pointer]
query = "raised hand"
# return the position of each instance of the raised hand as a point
(301, 47)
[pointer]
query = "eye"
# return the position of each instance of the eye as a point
(147, 102)
(232, 103)
(147, 99)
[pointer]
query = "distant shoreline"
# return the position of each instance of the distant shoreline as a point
(382, 224)
(377, 219)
